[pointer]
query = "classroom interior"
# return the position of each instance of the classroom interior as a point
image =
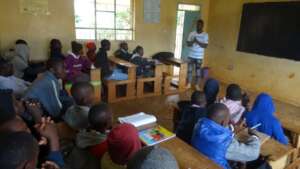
(254, 73)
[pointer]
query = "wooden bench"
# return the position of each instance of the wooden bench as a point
(156, 80)
(169, 82)
(112, 85)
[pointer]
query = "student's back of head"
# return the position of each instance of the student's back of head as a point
(219, 113)
(83, 93)
(21, 41)
(100, 117)
(18, 150)
(105, 44)
(153, 157)
(198, 98)
(234, 92)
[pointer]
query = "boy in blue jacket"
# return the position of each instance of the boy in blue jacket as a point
(46, 89)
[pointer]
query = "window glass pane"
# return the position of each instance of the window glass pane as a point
(187, 7)
(106, 34)
(84, 13)
(124, 34)
(124, 14)
(105, 5)
(85, 34)
(106, 20)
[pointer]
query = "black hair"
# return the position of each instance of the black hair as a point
(53, 62)
(104, 43)
(53, 43)
(76, 47)
(16, 149)
(216, 111)
(7, 110)
(98, 116)
(137, 49)
(76, 93)
(123, 43)
(234, 92)
(200, 21)
(21, 41)
(198, 98)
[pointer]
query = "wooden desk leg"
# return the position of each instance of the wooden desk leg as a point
(167, 84)
(131, 73)
(130, 93)
(182, 77)
(96, 77)
(140, 88)
(111, 92)
(296, 140)
(157, 86)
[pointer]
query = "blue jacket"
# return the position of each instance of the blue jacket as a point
(212, 140)
(263, 112)
(46, 90)
(190, 117)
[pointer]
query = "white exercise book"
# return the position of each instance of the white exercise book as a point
(139, 119)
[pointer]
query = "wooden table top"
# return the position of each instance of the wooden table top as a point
(275, 150)
(121, 62)
(173, 61)
(187, 157)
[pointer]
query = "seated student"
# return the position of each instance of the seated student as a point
(56, 49)
(77, 115)
(107, 73)
(211, 90)
(153, 157)
(18, 150)
(122, 52)
(91, 51)
(9, 81)
(21, 58)
(190, 116)
(233, 101)
(123, 142)
(145, 67)
(263, 113)
(94, 137)
(46, 89)
(213, 138)
(77, 66)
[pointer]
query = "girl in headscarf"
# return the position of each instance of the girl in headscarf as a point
(91, 51)
(211, 90)
(56, 49)
(263, 113)
(123, 142)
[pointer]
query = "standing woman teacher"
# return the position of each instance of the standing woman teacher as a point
(197, 42)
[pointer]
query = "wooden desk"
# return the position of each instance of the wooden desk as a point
(130, 83)
(187, 157)
(156, 80)
(278, 153)
(182, 77)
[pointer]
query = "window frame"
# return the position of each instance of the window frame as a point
(115, 29)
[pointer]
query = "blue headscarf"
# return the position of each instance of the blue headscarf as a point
(211, 90)
(212, 140)
(263, 112)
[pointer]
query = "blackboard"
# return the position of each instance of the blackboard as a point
(271, 29)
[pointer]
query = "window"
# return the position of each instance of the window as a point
(104, 19)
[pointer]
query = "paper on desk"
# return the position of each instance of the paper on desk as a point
(138, 120)
(243, 136)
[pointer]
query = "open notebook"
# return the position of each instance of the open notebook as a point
(149, 132)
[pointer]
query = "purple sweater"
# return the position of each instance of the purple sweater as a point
(76, 65)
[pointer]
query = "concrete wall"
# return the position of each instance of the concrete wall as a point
(38, 30)
(279, 77)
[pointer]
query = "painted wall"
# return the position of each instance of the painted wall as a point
(279, 77)
(38, 30)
